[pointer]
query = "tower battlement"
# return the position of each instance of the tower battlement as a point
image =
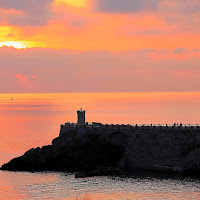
(81, 117)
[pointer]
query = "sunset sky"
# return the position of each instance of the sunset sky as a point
(99, 46)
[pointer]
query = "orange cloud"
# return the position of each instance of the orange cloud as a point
(77, 27)
(76, 3)
(93, 31)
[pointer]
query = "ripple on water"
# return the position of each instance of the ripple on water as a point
(23, 185)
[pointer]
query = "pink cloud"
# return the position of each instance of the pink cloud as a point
(26, 83)
(34, 77)
(21, 77)
(97, 71)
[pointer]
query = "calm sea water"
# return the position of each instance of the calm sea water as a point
(22, 185)
(32, 120)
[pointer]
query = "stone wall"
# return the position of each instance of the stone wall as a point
(147, 146)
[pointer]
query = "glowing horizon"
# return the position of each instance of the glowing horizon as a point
(76, 3)
(15, 44)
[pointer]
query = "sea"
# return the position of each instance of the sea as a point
(33, 120)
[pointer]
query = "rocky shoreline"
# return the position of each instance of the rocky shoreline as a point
(95, 154)
(70, 152)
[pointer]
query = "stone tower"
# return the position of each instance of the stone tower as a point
(81, 116)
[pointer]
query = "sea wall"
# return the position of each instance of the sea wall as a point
(147, 146)
(123, 147)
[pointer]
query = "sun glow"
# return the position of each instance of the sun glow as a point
(76, 3)
(15, 44)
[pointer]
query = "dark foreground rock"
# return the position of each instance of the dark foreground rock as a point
(70, 153)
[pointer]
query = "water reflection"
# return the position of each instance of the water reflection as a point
(64, 186)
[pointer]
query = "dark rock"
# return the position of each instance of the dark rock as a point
(69, 153)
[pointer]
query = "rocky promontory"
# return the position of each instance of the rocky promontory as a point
(107, 152)
(71, 152)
